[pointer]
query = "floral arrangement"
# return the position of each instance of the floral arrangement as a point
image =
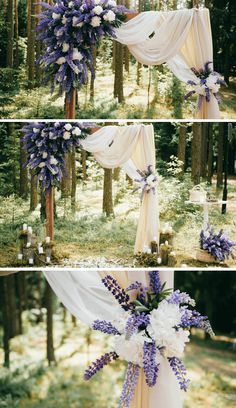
(155, 325)
(208, 83)
(47, 143)
(218, 245)
(148, 181)
(69, 29)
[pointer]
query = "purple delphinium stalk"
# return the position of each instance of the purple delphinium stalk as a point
(155, 282)
(134, 286)
(218, 245)
(192, 318)
(136, 322)
(179, 371)
(105, 327)
(130, 382)
(150, 366)
(120, 295)
(99, 363)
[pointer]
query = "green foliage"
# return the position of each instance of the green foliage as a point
(8, 80)
(177, 97)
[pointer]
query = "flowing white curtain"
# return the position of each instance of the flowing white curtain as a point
(131, 147)
(181, 38)
(84, 295)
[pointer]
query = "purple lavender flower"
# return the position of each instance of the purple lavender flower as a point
(134, 286)
(150, 366)
(120, 295)
(130, 382)
(105, 327)
(218, 245)
(136, 322)
(178, 297)
(99, 364)
(192, 318)
(179, 371)
(155, 282)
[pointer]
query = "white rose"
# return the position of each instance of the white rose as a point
(36, 130)
(97, 10)
(71, 4)
(215, 88)
(76, 131)
(75, 22)
(95, 21)
(112, 3)
(66, 135)
(56, 124)
(53, 160)
(42, 164)
(174, 343)
(97, 1)
(109, 16)
(64, 20)
(60, 60)
(65, 47)
(45, 155)
(68, 126)
(77, 55)
(56, 16)
(165, 317)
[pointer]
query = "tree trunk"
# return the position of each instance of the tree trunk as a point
(24, 187)
(6, 320)
(17, 62)
(84, 168)
(182, 146)
(43, 205)
(38, 45)
(31, 43)
(118, 84)
(107, 193)
(33, 191)
(11, 295)
(92, 81)
(49, 306)
(204, 142)
(210, 154)
(196, 149)
(220, 156)
(20, 299)
(66, 177)
(116, 174)
(10, 33)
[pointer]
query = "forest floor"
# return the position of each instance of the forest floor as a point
(39, 103)
(88, 238)
(30, 383)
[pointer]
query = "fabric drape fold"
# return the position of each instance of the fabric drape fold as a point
(180, 38)
(84, 295)
(133, 148)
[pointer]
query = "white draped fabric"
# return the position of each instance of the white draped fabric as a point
(181, 38)
(84, 295)
(132, 148)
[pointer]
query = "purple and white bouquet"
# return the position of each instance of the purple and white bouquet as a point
(208, 83)
(69, 29)
(148, 181)
(154, 325)
(218, 245)
(47, 143)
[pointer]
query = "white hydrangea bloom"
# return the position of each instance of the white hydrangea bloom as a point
(66, 135)
(64, 20)
(112, 3)
(97, 10)
(45, 155)
(42, 164)
(200, 90)
(36, 130)
(109, 16)
(95, 21)
(130, 350)
(77, 55)
(53, 160)
(71, 4)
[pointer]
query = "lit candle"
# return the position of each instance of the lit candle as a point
(31, 261)
(172, 253)
(149, 251)
(166, 243)
(30, 230)
(48, 259)
(28, 244)
(40, 249)
(47, 240)
(159, 260)
(20, 257)
(145, 249)
(24, 227)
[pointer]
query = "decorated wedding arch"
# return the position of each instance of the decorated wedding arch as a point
(130, 147)
(182, 39)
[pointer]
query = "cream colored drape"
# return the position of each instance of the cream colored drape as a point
(85, 297)
(132, 148)
(181, 38)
